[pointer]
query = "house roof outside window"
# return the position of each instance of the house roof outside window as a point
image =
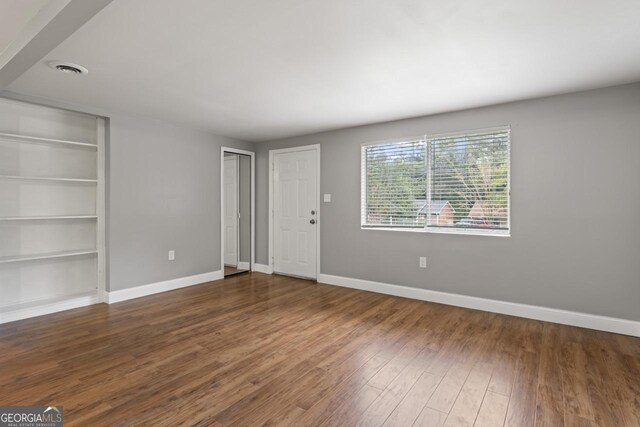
(436, 206)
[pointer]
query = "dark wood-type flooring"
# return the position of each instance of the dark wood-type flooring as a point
(230, 270)
(257, 350)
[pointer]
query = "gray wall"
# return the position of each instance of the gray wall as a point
(164, 194)
(575, 241)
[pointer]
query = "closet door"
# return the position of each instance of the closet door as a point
(51, 203)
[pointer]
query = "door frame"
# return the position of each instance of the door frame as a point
(272, 153)
(252, 155)
(101, 240)
(236, 160)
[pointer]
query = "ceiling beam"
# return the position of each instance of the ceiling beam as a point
(56, 21)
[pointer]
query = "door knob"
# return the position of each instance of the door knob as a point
(313, 221)
(313, 212)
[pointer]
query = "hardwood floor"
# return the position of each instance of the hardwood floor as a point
(256, 349)
(229, 270)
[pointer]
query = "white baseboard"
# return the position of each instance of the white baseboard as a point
(54, 307)
(243, 265)
(583, 320)
(262, 268)
(167, 285)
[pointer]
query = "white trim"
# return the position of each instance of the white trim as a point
(315, 147)
(47, 255)
(583, 320)
(46, 218)
(101, 202)
(39, 140)
(252, 155)
(262, 268)
(243, 265)
(442, 230)
(167, 285)
(428, 140)
(41, 310)
(229, 262)
(44, 178)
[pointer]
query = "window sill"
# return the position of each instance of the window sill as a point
(492, 233)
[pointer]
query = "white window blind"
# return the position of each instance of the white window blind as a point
(395, 180)
(455, 182)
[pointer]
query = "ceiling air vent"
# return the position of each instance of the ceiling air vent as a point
(67, 67)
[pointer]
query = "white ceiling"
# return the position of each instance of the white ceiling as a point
(14, 15)
(258, 70)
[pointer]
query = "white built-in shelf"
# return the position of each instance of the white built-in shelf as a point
(40, 218)
(42, 178)
(35, 302)
(38, 140)
(50, 255)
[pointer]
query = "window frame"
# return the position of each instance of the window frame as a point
(428, 138)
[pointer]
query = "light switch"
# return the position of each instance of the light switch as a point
(327, 198)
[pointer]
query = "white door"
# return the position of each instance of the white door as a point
(231, 210)
(295, 199)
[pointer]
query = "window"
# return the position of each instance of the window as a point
(452, 183)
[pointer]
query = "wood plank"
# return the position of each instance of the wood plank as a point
(446, 393)
(390, 398)
(522, 404)
(612, 380)
(349, 412)
(287, 416)
(411, 406)
(430, 418)
(342, 393)
(572, 420)
(575, 382)
(467, 405)
(260, 349)
(549, 409)
(493, 410)
(502, 379)
(392, 369)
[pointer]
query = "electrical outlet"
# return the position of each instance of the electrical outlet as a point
(172, 255)
(327, 198)
(423, 262)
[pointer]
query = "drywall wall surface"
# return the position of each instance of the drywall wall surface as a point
(575, 203)
(164, 194)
